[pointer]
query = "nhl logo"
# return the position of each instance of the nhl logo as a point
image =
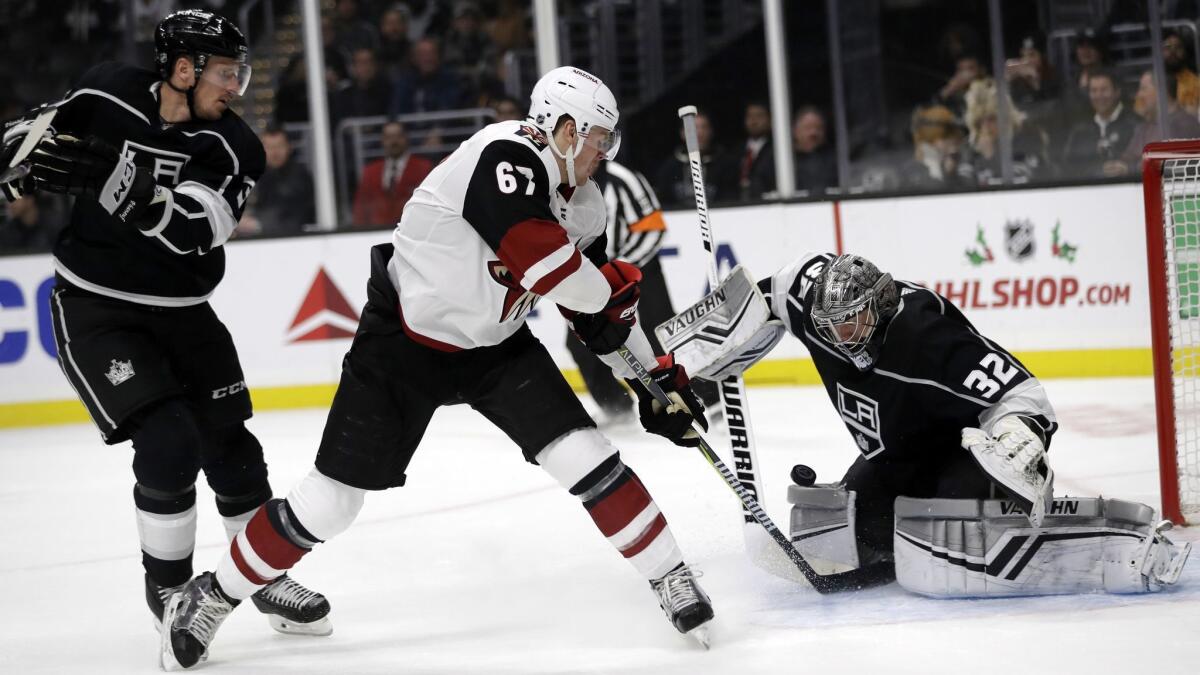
(119, 371)
(1018, 239)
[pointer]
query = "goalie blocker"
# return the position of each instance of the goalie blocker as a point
(954, 548)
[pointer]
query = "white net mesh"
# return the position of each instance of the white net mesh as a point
(1181, 210)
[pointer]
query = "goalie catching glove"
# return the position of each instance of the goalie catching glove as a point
(608, 329)
(1015, 457)
(674, 422)
(89, 167)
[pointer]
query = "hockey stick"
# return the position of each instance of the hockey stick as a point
(828, 583)
(733, 389)
(14, 170)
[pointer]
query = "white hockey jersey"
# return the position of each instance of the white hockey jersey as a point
(488, 233)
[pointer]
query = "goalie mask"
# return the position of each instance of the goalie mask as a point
(582, 96)
(851, 301)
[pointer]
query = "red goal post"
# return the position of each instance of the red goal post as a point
(1171, 185)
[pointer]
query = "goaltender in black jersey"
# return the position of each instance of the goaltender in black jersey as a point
(951, 481)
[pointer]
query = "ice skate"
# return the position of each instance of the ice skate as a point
(293, 609)
(157, 598)
(1162, 561)
(190, 622)
(685, 604)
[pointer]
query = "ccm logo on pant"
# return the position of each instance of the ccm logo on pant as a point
(230, 390)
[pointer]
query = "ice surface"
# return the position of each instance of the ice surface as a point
(482, 564)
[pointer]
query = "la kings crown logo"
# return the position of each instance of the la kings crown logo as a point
(119, 371)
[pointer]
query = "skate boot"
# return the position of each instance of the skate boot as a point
(293, 609)
(190, 622)
(157, 598)
(1161, 561)
(685, 604)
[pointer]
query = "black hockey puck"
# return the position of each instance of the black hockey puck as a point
(803, 475)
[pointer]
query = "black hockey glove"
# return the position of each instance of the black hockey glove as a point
(606, 330)
(89, 167)
(675, 421)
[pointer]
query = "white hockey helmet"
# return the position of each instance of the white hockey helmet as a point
(574, 92)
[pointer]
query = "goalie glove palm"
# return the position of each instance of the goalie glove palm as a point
(89, 167)
(673, 422)
(1015, 458)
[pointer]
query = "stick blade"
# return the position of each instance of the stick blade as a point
(688, 110)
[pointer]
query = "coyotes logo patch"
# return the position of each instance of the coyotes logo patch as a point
(517, 301)
(534, 135)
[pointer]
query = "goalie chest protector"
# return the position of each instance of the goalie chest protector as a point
(934, 374)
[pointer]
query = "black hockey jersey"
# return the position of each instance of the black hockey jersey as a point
(210, 167)
(935, 374)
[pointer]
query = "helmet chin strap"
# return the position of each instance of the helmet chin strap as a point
(569, 158)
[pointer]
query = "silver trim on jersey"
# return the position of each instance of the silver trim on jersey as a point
(218, 211)
(104, 94)
(1027, 399)
(155, 300)
(236, 166)
(931, 383)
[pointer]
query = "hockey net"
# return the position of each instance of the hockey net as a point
(1171, 183)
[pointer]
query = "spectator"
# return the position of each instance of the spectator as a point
(1178, 60)
(388, 183)
(394, 45)
(1030, 78)
(968, 70)
(508, 108)
(282, 200)
(1180, 124)
(980, 164)
(351, 32)
(1104, 135)
(816, 165)
(1090, 56)
(368, 93)
(466, 47)
(510, 27)
(753, 165)
(429, 87)
(937, 141)
(673, 179)
(31, 226)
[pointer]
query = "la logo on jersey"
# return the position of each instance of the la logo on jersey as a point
(861, 415)
(517, 301)
(166, 166)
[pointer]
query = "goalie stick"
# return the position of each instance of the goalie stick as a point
(828, 583)
(733, 389)
(747, 485)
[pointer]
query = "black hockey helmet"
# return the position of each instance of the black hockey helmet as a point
(851, 301)
(199, 34)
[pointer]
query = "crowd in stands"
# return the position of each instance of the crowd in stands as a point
(390, 60)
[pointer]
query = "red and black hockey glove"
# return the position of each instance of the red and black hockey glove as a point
(89, 167)
(608, 329)
(674, 422)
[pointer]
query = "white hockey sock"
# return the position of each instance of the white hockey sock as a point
(167, 536)
(235, 524)
(586, 464)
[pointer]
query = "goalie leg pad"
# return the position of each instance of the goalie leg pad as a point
(822, 527)
(952, 548)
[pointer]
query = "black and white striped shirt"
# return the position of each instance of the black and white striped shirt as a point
(635, 223)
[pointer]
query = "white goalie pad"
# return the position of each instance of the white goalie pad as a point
(955, 548)
(724, 333)
(822, 527)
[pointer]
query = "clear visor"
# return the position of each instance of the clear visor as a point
(849, 330)
(606, 142)
(228, 76)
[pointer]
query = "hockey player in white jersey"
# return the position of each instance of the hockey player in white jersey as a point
(507, 219)
(952, 486)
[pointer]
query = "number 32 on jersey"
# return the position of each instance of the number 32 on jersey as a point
(991, 376)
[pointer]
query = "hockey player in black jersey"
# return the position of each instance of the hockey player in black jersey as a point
(160, 168)
(509, 218)
(944, 420)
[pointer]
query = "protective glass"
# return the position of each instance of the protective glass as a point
(606, 142)
(228, 76)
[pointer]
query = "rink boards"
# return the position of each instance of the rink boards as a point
(1056, 276)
